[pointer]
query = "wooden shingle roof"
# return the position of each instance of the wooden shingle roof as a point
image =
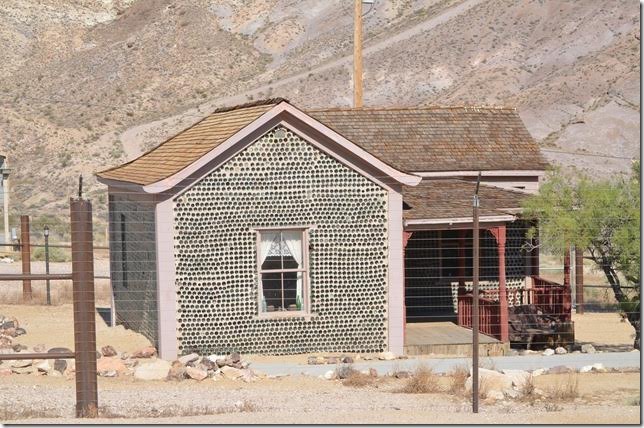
(189, 145)
(407, 139)
(439, 138)
(452, 198)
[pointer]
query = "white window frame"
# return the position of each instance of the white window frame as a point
(304, 270)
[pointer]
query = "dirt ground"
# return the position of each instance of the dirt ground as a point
(610, 398)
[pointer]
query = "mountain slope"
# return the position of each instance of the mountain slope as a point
(89, 84)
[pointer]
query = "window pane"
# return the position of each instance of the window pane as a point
(272, 288)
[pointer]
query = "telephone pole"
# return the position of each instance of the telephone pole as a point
(357, 54)
(475, 297)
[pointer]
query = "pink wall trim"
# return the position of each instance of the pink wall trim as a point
(396, 289)
(166, 292)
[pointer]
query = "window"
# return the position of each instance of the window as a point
(282, 268)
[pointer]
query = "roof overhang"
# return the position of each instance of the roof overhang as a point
(456, 222)
(283, 113)
(489, 173)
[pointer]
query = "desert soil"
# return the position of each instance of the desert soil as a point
(609, 398)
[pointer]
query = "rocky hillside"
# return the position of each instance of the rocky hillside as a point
(87, 84)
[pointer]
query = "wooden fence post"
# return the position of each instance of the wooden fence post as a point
(25, 255)
(84, 310)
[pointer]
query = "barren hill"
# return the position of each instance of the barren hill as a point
(87, 84)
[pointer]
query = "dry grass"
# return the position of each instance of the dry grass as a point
(458, 375)
(422, 381)
(173, 411)
(14, 413)
(567, 390)
(358, 380)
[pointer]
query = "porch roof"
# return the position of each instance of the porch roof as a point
(452, 199)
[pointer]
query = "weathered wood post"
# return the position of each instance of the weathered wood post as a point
(25, 255)
(84, 310)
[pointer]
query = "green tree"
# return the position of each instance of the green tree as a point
(601, 216)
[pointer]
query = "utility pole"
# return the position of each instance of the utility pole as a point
(357, 54)
(4, 179)
(475, 297)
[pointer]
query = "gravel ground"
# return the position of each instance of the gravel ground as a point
(605, 398)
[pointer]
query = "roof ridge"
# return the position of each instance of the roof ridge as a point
(407, 108)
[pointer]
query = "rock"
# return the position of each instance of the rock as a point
(402, 374)
(147, 352)
(186, 359)
(235, 357)
(9, 332)
(528, 352)
(5, 371)
(196, 374)
(18, 347)
(44, 365)
(39, 349)
(587, 348)
(387, 356)
(105, 364)
(7, 325)
(6, 342)
(346, 359)
(599, 368)
(560, 370)
(60, 366)
(248, 375)
(24, 370)
(108, 373)
(108, 351)
(177, 371)
(496, 395)
(125, 356)
(548, 352)
(561, 350)
(493, 380)
(312, 361)
(343, 372)
(519, 377)
(332, 360)
(373, 372)
(21, 363)
(208, 364)
(538, 372)
(154, 370)
(20, 331)
(60, 351)
(586, 369)
(231, 372)
(330, 375)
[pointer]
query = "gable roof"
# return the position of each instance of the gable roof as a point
(452, 198)
(439, 138)
(189, 145)
(184, 156)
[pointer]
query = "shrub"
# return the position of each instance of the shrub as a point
(423, 381)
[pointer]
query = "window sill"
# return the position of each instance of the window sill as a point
(285, 314)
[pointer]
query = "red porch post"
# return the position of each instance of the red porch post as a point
(499, 234)
(461, 258)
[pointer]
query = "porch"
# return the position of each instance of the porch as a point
(438, 270)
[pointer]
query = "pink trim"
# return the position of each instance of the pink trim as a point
(166, 292)
(396, 289)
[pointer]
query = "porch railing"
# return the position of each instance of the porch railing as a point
(552, 298)
(489, 314)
